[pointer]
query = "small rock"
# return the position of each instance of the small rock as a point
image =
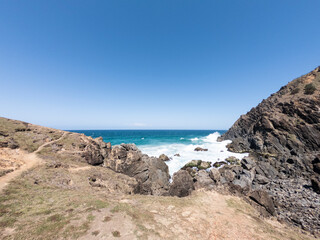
(193, 163)
(219, 164)
(204, 165)
(177, 155)
(233, 160)
(164, 157)
(197, 149)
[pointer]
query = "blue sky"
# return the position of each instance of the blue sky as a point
(132, 64)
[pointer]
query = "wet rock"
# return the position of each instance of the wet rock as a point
(177, 155)
(199, 164)
(182, 184)
(193, 163)
(197, 149)
(219, 164)
(233, 160)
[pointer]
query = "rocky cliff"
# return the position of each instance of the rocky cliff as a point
(150, 175)
(282, 135)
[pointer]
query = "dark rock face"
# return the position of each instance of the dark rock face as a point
(282, 135)
(151, 173)
(182, 184)
(262, 198)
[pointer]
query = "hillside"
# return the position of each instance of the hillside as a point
(62, 185)
(282, 135)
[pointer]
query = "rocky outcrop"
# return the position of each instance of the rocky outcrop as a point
(282, 135)
(96, 151)
(151, 173)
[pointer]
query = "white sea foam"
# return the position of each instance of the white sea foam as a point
(217, 151)
(142, 138)
(181, 138)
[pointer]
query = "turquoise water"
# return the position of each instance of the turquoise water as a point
(148, 137)
(171, 142)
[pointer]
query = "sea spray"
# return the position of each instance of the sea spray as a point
(217, 151)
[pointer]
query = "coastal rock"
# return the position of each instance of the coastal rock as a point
(215, 175)
(151, 173)
(96, 151)
(204, 165)
(219, 164)
(199, 164)
(192, 163)
(282, 135)
(233, 160)
(164, 157)
(262, 198)
(197, 149)
(177, 155)
(182, 184)
(203, 181)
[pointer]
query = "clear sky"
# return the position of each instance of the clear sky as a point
(160, 64)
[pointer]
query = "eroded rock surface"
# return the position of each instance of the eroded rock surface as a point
(282, 135)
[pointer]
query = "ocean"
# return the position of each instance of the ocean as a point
(171, 142)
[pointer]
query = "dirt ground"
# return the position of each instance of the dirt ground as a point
(41, 202)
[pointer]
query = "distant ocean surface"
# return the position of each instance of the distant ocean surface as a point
(170, 142)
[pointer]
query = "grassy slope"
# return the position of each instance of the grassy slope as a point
(57, 200)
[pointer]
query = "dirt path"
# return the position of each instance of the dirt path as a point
(48, 143)
(24, 159)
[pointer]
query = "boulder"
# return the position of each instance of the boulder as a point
(197, 149)
(164, 157)
(227, 175)
(151, 173)
(193, 163)
(203, 181)
(219, 164)
(204, 165)
(177, 155)
(247, 163)
(262, 198)
(182, 184)
(199, 164)
(233, 160)
(215, 175)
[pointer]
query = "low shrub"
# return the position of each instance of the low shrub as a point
(309, 89)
